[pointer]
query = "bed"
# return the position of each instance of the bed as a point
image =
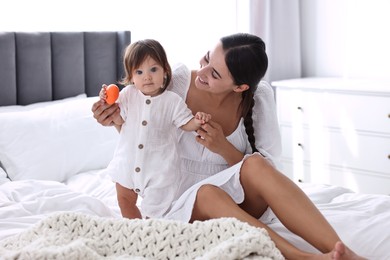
(55, 200)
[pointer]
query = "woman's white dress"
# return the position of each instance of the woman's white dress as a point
(200, 166)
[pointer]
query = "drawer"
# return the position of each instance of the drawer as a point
(355, 180)
(323, 146)
(345, 111)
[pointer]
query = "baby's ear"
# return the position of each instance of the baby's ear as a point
(241, 88)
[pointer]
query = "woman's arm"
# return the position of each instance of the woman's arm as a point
(212, 137)
(266, 130)
(127, 201)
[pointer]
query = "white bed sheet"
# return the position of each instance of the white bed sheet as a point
(361, 220)
(23, 203)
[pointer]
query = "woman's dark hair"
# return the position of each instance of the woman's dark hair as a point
(138, 51)
(247, 62)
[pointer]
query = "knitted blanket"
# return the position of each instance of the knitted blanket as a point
(70, 235)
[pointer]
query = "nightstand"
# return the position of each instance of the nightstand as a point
(336, 131)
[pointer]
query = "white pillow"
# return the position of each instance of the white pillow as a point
(54, 141)
(16, 108)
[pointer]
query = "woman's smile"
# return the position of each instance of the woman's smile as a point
(202, 81)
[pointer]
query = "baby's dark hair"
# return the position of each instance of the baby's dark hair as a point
(138, 51)
(247, 62)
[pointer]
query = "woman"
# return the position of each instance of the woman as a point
(229, 167)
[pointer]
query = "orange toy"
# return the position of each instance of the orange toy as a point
(112, 94)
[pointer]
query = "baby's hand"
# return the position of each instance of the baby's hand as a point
(109, 93)
(103, 93)
(202, 117)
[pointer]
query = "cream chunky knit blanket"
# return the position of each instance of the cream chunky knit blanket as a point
(70, 235)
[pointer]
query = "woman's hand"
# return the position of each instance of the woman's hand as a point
(105, 114)
(212, 137)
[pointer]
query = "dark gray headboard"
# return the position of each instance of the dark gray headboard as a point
(45, 66)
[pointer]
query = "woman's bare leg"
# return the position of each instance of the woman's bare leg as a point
(290, 204)
(212, 202)
(263, 183)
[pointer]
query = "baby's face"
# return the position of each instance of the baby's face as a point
(149, 77)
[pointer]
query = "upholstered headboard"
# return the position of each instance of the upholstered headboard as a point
(45, 66)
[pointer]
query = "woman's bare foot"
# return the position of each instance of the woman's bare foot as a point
(340, 252)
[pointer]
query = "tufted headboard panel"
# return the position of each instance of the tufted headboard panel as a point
(45, 66)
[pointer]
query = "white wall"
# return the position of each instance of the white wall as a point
(186, 28)
(348, 38)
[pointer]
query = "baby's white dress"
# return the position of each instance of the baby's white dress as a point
(146, 158)
(200, 166)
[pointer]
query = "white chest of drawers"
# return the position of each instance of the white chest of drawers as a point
(336, 131)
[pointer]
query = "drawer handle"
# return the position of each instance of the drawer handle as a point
(300, 108)
(301, 145)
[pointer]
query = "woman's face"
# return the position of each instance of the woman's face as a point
(214, 75)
